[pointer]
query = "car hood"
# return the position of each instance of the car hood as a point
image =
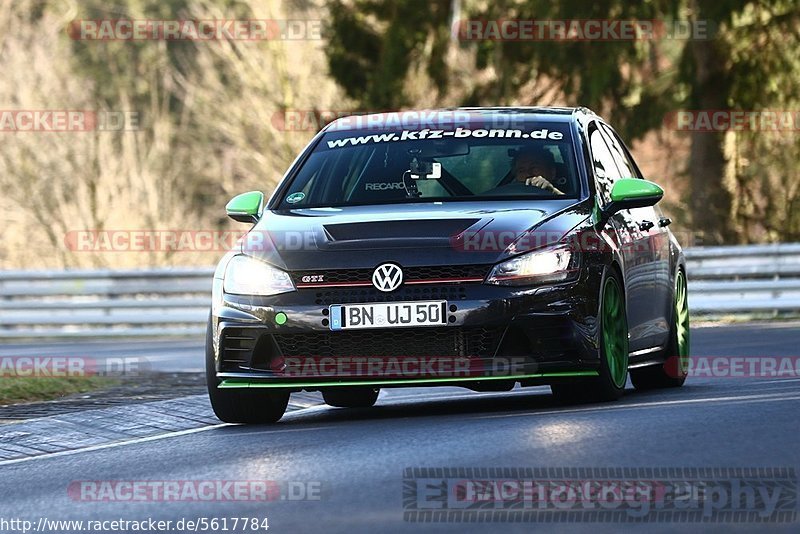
(442, 233)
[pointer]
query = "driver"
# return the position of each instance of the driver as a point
(536, 167)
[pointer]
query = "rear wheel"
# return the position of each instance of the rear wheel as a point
(362, 397)
(613, 371)
(673, 372)
(241, 405)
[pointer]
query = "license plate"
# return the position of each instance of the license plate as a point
(388, 315)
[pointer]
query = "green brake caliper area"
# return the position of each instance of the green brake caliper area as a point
(615, 332)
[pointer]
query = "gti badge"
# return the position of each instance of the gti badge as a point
(387, 277)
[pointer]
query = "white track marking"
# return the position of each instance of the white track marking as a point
(607, 407)
(778, 380)
(532, 390)
(157, 437)
(111, 445)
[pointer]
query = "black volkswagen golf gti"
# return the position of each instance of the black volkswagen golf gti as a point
(474, 247)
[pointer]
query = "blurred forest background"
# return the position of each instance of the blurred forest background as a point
(208, 127)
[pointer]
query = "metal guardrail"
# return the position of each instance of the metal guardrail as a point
(744, 279)
(104, 303)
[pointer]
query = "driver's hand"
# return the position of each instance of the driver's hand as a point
(542, 183)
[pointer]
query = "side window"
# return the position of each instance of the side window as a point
(605, 169)
(619, 153)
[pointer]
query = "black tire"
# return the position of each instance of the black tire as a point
(673, 372)
(253, 406)
(359, 397)
(571, 392)
(652, 377)
(604, 387)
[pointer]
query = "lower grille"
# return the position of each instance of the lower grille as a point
(245, 348)
(420, 342)
(236, 347)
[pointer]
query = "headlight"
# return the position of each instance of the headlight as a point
(550, 265)
(248, 276)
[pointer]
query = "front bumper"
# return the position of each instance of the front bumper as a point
(494, 336)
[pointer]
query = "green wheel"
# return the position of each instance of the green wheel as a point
(614, 327)
(613, 349)
(675, 369)
(682, 325)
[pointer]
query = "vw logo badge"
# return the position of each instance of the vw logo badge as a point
(387, 277)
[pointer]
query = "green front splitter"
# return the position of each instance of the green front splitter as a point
(238, 383)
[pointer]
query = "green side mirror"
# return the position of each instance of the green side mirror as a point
(630, 193)
(246, 207)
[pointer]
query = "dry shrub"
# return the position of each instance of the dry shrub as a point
(173, 173)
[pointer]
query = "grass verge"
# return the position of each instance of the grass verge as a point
(18, 389)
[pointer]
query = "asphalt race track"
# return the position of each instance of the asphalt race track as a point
(355, 468)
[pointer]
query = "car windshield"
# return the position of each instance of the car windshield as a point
(536, 161)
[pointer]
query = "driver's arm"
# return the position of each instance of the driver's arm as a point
(542, 183)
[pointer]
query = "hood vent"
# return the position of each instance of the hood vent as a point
(411, 229)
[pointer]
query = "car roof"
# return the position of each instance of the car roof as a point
(452, 115)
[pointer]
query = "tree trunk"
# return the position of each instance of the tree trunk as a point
(711, 201)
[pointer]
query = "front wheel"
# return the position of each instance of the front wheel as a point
(252, 406)
(613, 349)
